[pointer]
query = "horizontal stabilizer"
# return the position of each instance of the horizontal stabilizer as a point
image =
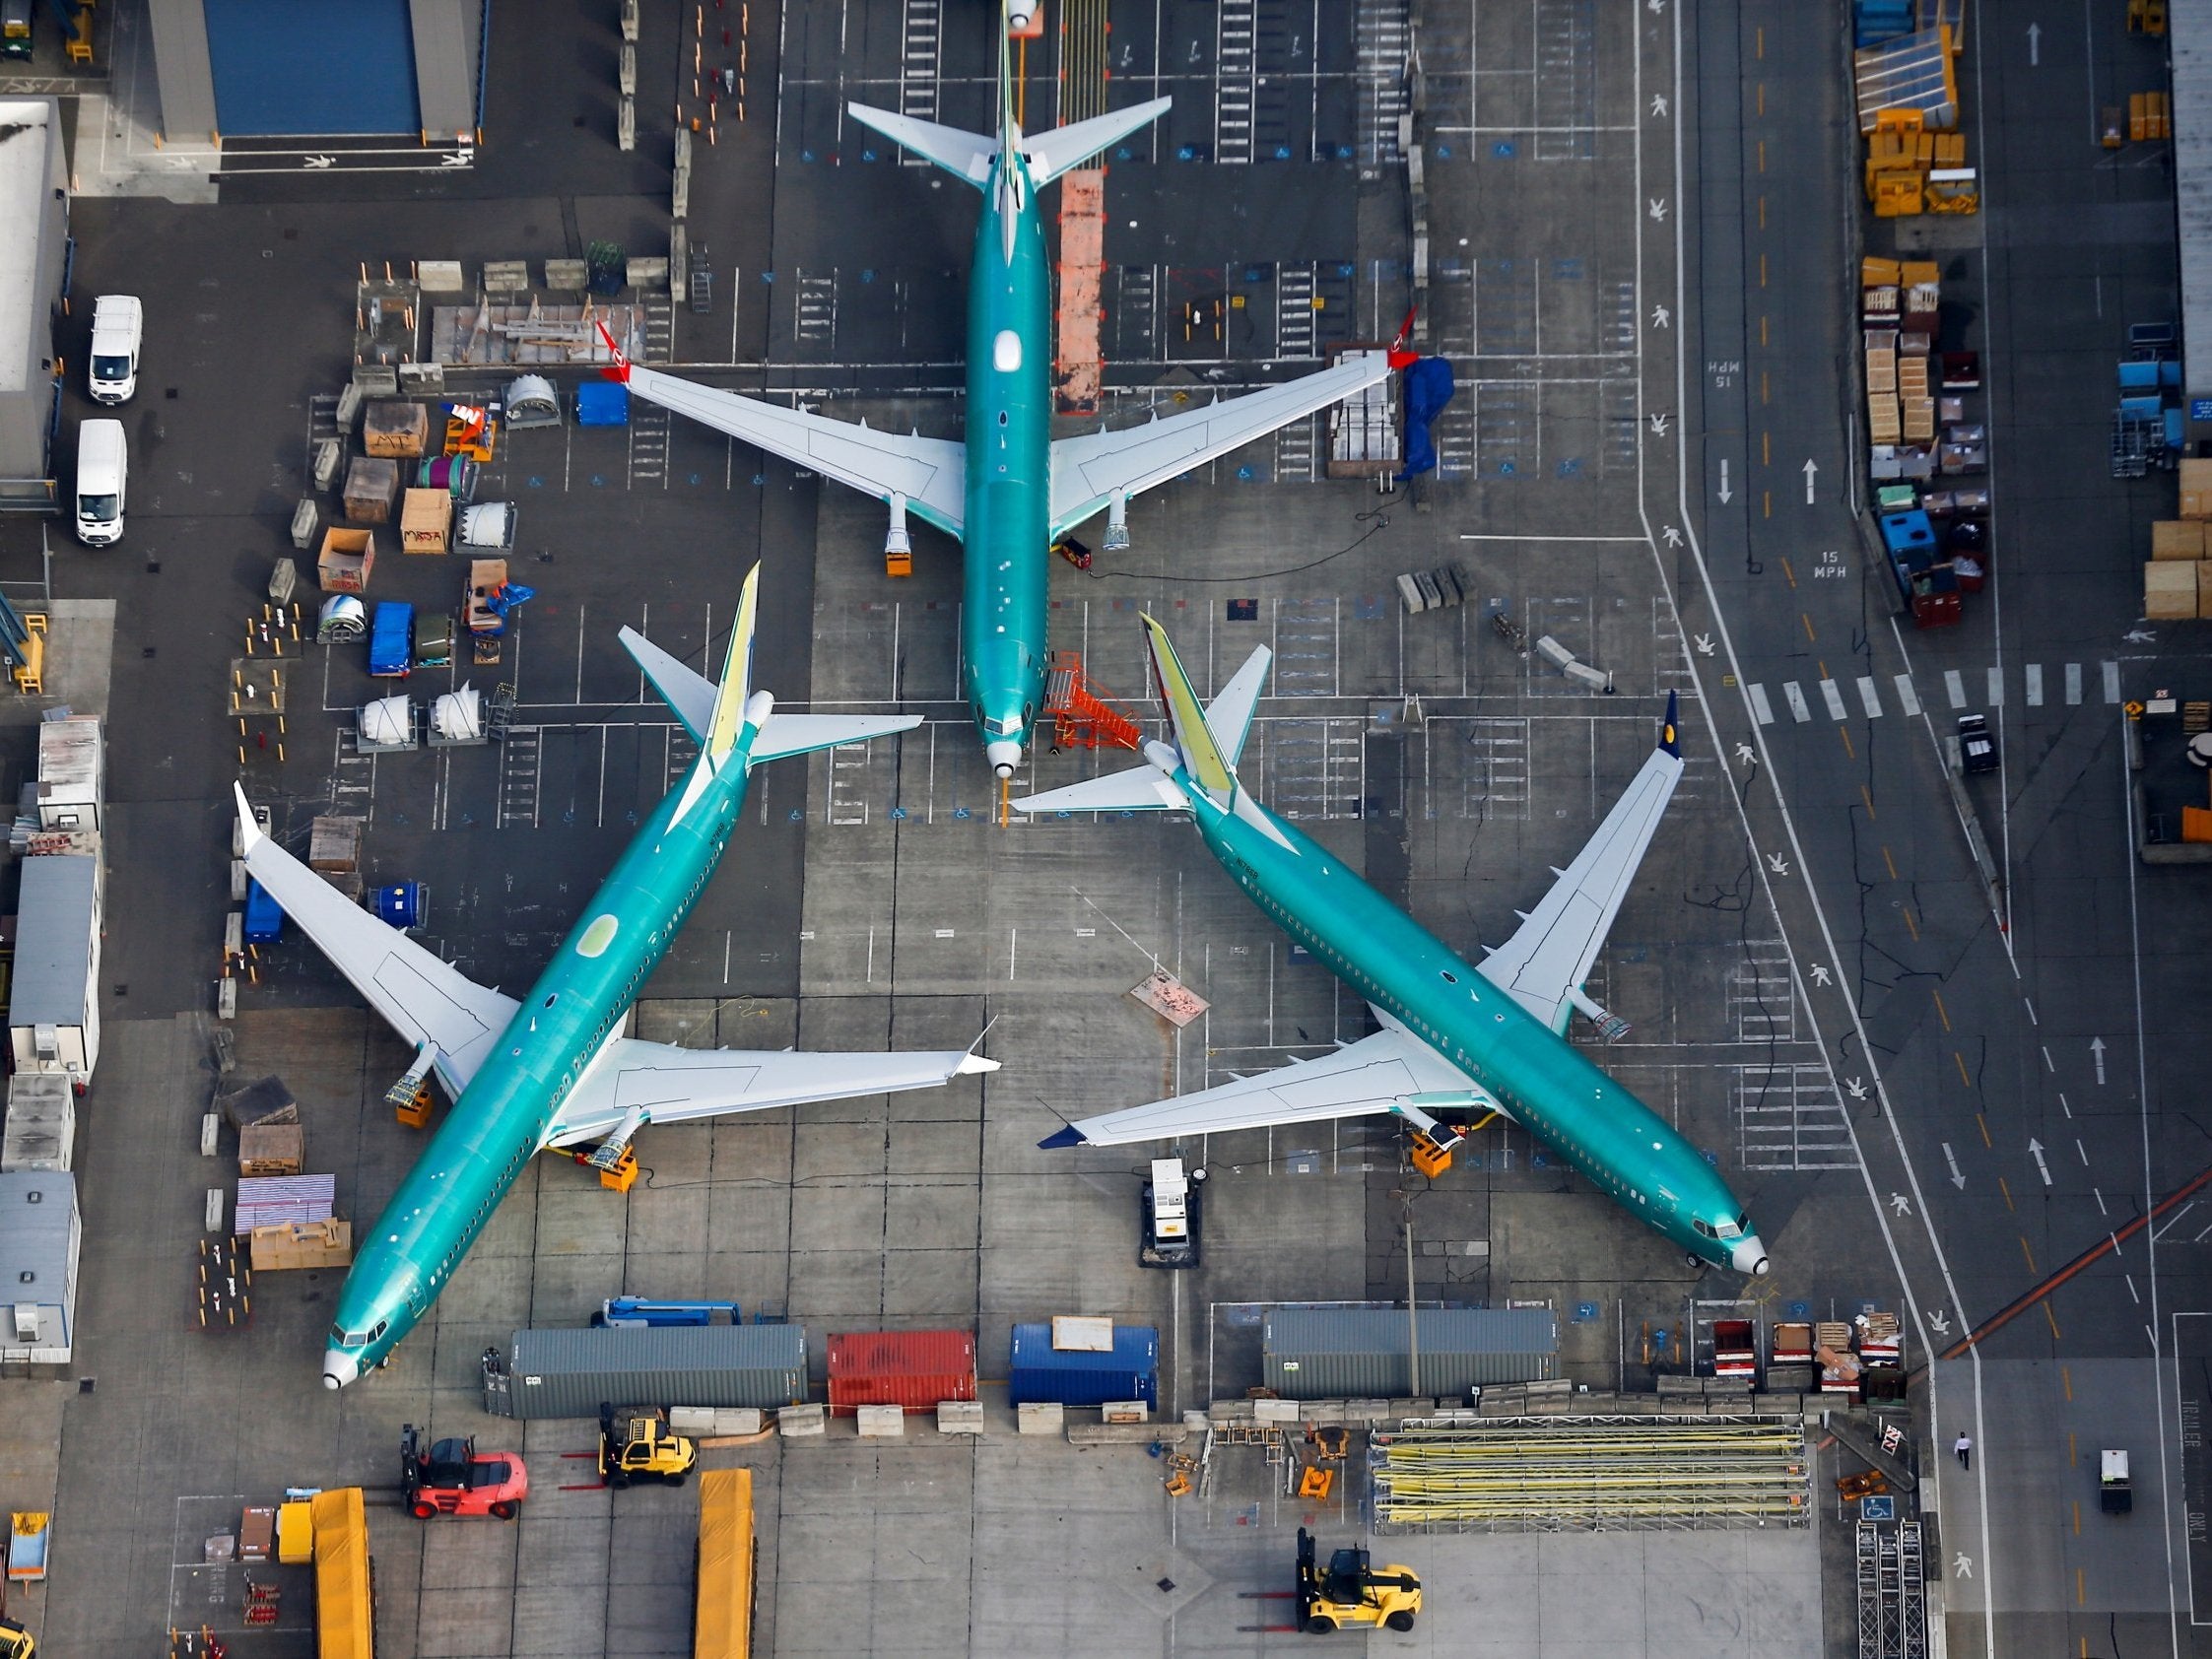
(802, 734)
(689, 693)
(964, 155)
(1061, 150)
(1139, 789)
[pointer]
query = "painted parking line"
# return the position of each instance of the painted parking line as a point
(1869, 698)
(1997, 687)
(1956, 687)
(1796, 701)
(1907, 696)
(1833, 698)
(2112, 682)
(2035, 677)
(1761, 709)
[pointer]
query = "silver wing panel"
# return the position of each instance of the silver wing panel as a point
(671, 1084)
(1088, 472)
(1550, 952)
(928, 471)
(1372, 1074)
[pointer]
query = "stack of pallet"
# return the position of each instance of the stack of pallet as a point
(2178, 581)
(2150, 115)
(1906, 89)
(1898, 311)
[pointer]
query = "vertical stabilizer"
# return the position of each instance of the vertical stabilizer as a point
(1201, 752)
(737, 678)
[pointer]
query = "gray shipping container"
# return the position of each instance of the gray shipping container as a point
(1363, 1353)
(570, 1373)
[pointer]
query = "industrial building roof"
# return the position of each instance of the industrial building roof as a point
(36, 1213)
(54, 933)
(2189, 42)
(28, 132)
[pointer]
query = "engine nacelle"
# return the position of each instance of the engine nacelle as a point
(1117, 524)
(896, 540)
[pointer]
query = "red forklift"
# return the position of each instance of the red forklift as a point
(452, 1478)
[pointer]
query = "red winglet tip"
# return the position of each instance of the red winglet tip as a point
(1402, 359)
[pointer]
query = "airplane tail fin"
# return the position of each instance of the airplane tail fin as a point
(1671, 732)
(726, 722)
(617, 368)
(1195, 740)
(967, 156)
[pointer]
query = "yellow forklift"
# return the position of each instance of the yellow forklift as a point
(639, 1446)
(14, 1642)
(1351, 1594)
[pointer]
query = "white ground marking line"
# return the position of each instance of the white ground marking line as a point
(1997, 687)
(1790, 826)
(1869, 697)
(2033, 674)
(1761, 709)
(1907, 696)
(2111, 681)
(1796, 701)
(2074, 685)
(1955, 687)
(1833, 698)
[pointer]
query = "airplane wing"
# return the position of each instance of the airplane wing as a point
(1088, 472)
(634, 1083)
(1372, 1075)
(690, 696)
(929, 472)
(423, 999)
(1549, 955)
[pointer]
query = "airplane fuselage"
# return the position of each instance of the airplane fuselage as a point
(1390, 960)
(1009, 486)
(509, 1108)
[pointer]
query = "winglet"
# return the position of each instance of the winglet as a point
(1400, 354)
(249, 832)
(618, 369)
(1071, 1136)
(1670, 737)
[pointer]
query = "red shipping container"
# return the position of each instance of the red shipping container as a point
(912, 1369)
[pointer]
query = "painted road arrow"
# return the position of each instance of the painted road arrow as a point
(2097, 1053)
(1810, 472)
(2035, 47)
(2036, 1151)
(1725, 495)
(1951, 1157)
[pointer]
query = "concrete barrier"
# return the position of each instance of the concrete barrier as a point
(960, 1417)
(795, 1422)
(1040, 1416)
(881, 1423)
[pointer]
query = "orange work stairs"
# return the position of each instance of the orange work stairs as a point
(1079, 714)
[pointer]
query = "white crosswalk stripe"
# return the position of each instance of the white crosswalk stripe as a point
(1833, 697)
(1869, 698)
(1997, 687)
(2034, 685)
(1796, 701)
(1956, 687)
(1907, 696)
(2112, 682)
(2074, 685)
(1761, 709)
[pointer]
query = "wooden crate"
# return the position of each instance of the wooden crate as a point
(302, 1244)
(2177, 537)
(272, 1148)
(2170, 591)
(1881, 425)
(426, 521)
(2196, 490)
(394, 429)
(371, 487)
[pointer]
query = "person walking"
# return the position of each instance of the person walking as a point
(1965, 1448)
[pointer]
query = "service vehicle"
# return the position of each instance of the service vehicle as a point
(15, 1640)
(16, 22)
(637, 1446)
(452, 1478)
(1351, 1593)
(1172, 1211)
(643, 1311)
(2115, 1493)
(102, 482)
(118, 323)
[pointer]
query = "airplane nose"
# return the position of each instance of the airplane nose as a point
(1004, 757)
(339, 1368)
(1748, 1257)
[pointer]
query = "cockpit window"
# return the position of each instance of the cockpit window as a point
(357, 1339)
(1735, 1228)
(1704, 1227)
(1002, 728)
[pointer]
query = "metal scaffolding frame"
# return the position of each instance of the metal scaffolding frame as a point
(1869, 1593)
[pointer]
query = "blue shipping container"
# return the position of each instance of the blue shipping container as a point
(391, 641)
(602, 403)
(1038, 1371)
(264, 917)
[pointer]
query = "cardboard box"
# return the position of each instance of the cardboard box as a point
(426, 521)
(257, 1532)
(2203, 587)
(2177, 538)
(2169, 591)
(2196, 490)
(1916, 272)
(272, 1148)
(347, 558)
(2196, 823)
(371, 487)
(1879, 273)
(395, 429)
(302, 1244)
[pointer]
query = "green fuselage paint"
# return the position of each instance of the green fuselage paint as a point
(509, 1108)
(1540, 1079)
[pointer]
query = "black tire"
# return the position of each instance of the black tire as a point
(1400, 1621)
(425, 1511)
(1320, 1626)
(679, 1477)
(618, 1480)
(506, 1510)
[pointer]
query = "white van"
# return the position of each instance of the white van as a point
(117, 323)
(102, 481)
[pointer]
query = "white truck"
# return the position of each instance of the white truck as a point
(118, 323)
(1172, 1215)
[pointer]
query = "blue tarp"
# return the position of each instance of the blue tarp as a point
(1427, 389)
(602, 403)
(313, 66)
(391, 641)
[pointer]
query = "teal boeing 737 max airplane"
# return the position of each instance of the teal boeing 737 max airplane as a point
(1009, 489)
(555, 1069)
(1456, 1038)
